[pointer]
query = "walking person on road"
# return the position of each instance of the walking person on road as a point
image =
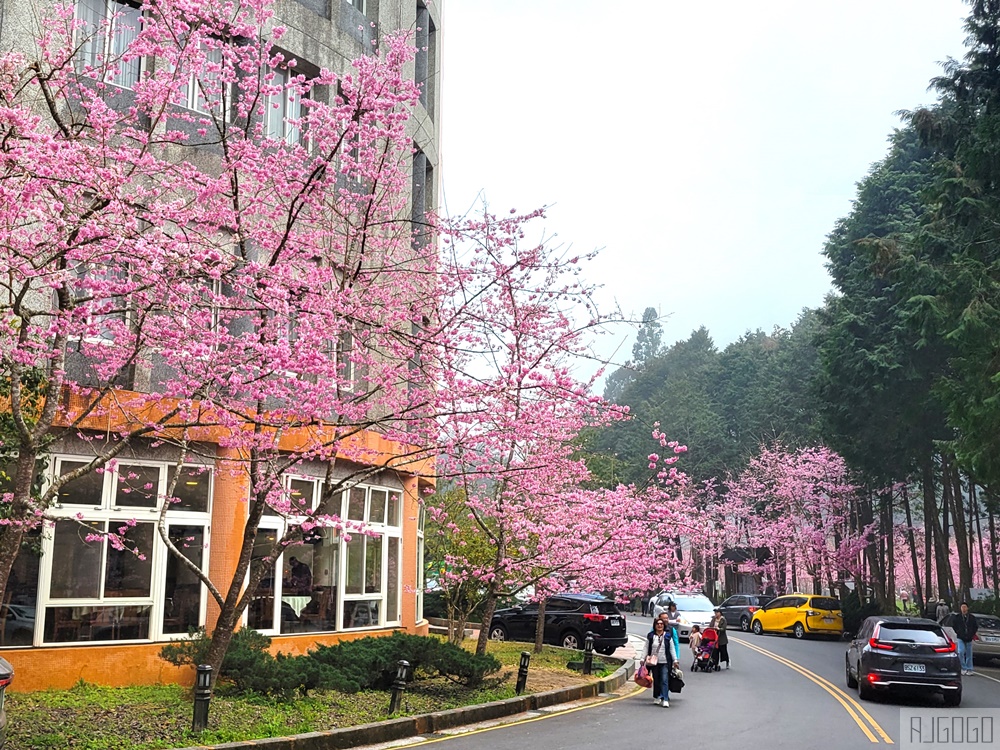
(719, 623)
(660, 655)
(966, 626)
(942, 610)
(674, 621)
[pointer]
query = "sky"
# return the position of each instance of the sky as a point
(707, 149)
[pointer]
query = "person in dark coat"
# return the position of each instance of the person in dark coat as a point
(966, 626)
(722, 652)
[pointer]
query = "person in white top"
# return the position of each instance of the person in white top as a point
(660, 656)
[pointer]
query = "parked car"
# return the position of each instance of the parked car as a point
(800, 615)
(694, 609)
(568, 619)
(739, 608)
(6, 677)
(908, 653)
(986, 647)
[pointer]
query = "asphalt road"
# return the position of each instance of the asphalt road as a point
(780, 693)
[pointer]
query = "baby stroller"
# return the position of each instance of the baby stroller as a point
(706, 658)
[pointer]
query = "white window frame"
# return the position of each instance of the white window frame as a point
(193, 91)
(105, 42)
(282, 107)
(421, 573)
(109, 514)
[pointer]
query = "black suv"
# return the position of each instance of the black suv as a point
(739, 608)
(568, 619)
(909, 653)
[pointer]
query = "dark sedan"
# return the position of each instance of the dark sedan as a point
(904, 653)
(739, 608)
(568, 619)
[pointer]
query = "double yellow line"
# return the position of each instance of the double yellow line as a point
(850, 705)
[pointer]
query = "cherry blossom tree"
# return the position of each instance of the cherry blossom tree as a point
(800, 506)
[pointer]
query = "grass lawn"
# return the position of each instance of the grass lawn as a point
(159, 716)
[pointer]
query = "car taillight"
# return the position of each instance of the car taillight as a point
(872, 677)
(595, 618)
(5, 681)
(950, 648)
(876, 643)
(751, 609)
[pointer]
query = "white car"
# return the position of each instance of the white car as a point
(694, 609)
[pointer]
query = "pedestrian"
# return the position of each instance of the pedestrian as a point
(966, 626)
(719, 623)
(660, 655)
(942, 610)
(694, 643)
(905, 598)
(674, 621)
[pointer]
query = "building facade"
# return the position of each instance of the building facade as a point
(77, 607)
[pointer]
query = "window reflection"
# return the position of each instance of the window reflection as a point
(182, 592)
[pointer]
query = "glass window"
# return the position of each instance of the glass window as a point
(355, 564)
(284, 109)
(207, 80)
(182, 589)
(363, 614)
(76, 563)
(303, 495)
(17, 616)
(137, 486)
(71, 624)
(193, 488)
(310, 608)
(373, 565)
(356, 504)
(260, 613)
(129, 571)
(392, 580)
(108, 28)
(86, 490)
(392, 514)
(825, 602)
(376, 508)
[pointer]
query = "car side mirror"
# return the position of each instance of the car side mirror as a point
(517, 607)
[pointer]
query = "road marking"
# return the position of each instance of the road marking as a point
(850, 705)
(528, 721)
(985, 676)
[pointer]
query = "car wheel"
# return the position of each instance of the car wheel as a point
(757, 628)
(851, 682)
(798, 631)
(606, 650)
(953, 698)
(571, 639)
(864, 689)
(498, 633)
(745, 624)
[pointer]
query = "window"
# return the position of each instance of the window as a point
(93, 588)
(421, 573)
(107, 28)
(284, 109)
(358, 5)
(425, 62)
(205, 91)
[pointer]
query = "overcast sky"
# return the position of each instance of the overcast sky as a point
(706, 148)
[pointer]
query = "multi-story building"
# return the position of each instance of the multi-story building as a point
(80, 609)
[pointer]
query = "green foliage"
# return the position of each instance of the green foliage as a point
(372, 662)
(367, 663)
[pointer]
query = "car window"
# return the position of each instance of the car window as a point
(778, 603)
(989, 623)
(798, 601)
(604, 607)
(930, 634)
(562, 605)
(664, 600)
(763, 599)
(730, 602)
(694, 603)
(825, 602)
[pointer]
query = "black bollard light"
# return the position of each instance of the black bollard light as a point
(522, 672)
(588, 653)
(202, 697)
(398, 686)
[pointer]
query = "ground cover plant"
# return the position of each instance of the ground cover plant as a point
(152, 717)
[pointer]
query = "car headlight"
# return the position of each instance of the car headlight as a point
(684, 621)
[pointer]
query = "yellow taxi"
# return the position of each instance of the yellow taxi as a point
(800, 615)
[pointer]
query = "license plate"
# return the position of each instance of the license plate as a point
(915, 668)
(615, 621)
(827, 619)
(989, 638)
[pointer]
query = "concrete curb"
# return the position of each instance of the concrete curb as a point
(393, 730)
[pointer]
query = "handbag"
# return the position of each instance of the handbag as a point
(675, 683)
(642, 678)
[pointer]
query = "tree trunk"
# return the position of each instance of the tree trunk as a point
(974, 497)
(993, 552)
(928, 535)
(488, 610)
(953, 479)
(919, 593)
(540, 625)
(890, 547)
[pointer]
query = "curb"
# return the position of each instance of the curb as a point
(407, 727)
